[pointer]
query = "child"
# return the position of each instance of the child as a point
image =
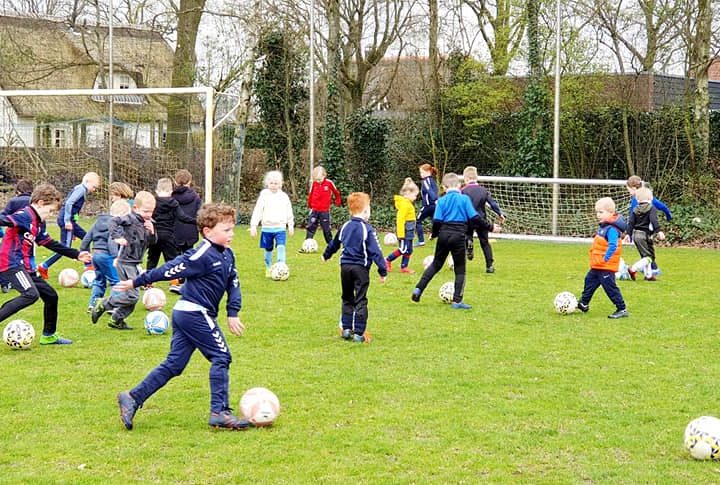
(186, 235)
(209, 272)
(23, 191)
(454, 217)
(68, 216)
(26, 228)
(321, 195)
(104, 251)
(166, 215)
(405, 225)
(360, 249)
(642, 225)
(120, 190)
(605, 258)
(133, 233)
(480, 196)
(429, 197)
(274, 211)
(633, 184)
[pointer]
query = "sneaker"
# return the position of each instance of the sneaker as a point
(632, 274)
(458, 305)
(97, 310)
(268, 273)
(54, 339)
(407, 270)
(469, 250)
(388, 265)
(362, 339)
(490, 269)
(416, 295)
(119, 325)
(128, 408)
(650, 278)
(175, 289)
(227, 420)
(419, 243)
(90, 309)
(346, 334)
(5, 288)
(583, 307)
(43, 272)
(619, 314)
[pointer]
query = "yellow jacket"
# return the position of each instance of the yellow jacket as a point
(405, 214)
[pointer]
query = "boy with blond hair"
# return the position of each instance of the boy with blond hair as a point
(133, 233)
(605, 254)
(26, 228)
(68, 217)
(404, 225)
(480, 196)
(360, 249)
(643, 224)
(319, 199)
(273, 211)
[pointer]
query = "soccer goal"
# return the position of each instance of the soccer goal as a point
(553, 209)
(133, 135)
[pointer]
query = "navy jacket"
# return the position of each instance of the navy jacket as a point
(360, 245)
(186, 234)
(168, 216)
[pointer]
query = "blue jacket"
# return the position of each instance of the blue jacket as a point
(72, 205)
(360, 245)
(429, 191)
(99, 236)
(209, 272)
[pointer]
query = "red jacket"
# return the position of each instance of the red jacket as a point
(321, 195)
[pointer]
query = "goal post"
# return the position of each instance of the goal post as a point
(56, 135)
(552, 209)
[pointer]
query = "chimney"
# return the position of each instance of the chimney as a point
(714, 70)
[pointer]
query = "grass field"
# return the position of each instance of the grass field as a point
(509, 392)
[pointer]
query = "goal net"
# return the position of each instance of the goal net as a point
(558, 209)
(135, 135)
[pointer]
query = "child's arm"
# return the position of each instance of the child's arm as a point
(87, 240)
(333, 247)
(495, 207)
(257, 214)
(234, 303)
(46, 241)
(335, 193)
(78, 191)
(375, 253)
(180, 267)
(181, 216)
(290, 216)
(663, 208)
(613, 235)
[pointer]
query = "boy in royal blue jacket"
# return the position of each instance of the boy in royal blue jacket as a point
(209, 272)
(360, 249)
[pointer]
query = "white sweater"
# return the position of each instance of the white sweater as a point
(272, 210)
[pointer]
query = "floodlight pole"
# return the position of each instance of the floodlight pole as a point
(111, 83)
(556, 122)
(311, 126)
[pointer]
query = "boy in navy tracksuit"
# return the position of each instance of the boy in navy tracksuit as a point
(480, 196)
(454, 216)
(209, 272)
(68, 216)
(23, 191)
(360, 249)
(26, 228)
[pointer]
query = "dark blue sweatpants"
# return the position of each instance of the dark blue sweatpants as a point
(192, 330)
(596, 278)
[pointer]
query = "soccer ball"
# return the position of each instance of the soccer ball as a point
(279, 272)
(702, 438)
(565, 303)
(87, 278)
(154, 299)
(309, 246)
(446, 292)
(390, 239)
(18, 334)
(260, 406)
(428, 261)
(68, 278)
(156, 323)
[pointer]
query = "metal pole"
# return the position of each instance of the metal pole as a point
(556, 122)
(209, 144)
(111, 83)
(311, 128)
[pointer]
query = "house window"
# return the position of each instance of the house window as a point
(123, 81)
(59, 137)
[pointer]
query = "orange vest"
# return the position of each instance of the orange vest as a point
(599, 248)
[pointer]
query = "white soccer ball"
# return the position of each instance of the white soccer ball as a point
(309, 246)
(18, 334)
(428, 261)
(446, 292)
(156, 323)
(279, 272)
(702, 438)
(68, 278)
(565, 303)
(390, 239)
(87, 278)
(260, 406)
(154, 299)
(696, 220)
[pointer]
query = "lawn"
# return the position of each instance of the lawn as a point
(508, 392)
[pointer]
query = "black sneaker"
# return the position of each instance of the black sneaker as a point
(227, 420)
(469, 250)
(119, 325)
(490, 269)
(416, 295)
(583, 307)
(128, 408)
(97, 311)
(346, 334)
(619, 314)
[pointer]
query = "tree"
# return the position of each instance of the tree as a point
(699, 62)
(333, 140)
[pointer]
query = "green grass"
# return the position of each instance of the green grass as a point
(509, 392)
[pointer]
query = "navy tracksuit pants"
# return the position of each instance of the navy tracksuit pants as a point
(192, 330)
(596, 278)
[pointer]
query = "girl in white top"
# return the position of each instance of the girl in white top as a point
(274, 212)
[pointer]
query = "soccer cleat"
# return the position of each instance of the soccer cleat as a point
(365, 338)
(43, 272)
(419, 243)
(619, 314)
(97, 310)
(346, 334)
(583, 307)
(227, 420)
(632, 274)
(268, 273)
(175, 289)
(416, 295)
(469, 250)
(90, 309)
(128, 408)
(119, 325)
(490, 269)
(407, 270)
(458, 305)
(6, 287)
(388, 265)
(54, 339)
(650, 278)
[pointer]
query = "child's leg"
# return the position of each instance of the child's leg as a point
(457, 249)
(611, 289)
(442, 249)
(22, 282)
(153, 256)
(123, 302)
(50, 304)
(486, 247)
(592, 283)
(312, 224)
(169, 250)
(324, 218)
(280, 241)
(406, 249)
(394, 255)
(356, 285)
(267, 242)
(347, 284)
(100, 262)
(66, 238)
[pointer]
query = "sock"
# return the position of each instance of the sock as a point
(268, 258)
(405, 261)
(281, 253)
(641, 264)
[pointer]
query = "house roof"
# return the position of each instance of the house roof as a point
(49, 54)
